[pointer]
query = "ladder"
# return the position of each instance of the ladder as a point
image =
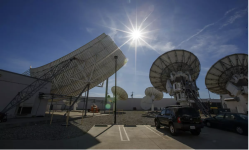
(34, 87)
(191, 94)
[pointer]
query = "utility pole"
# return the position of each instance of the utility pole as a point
(115, 57)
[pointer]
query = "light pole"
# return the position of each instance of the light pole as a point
(87, 98)
(115, 57)
(106, 92)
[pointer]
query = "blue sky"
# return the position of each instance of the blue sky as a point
(38, 32)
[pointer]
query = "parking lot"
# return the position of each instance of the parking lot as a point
(147, 137)
(139, 137)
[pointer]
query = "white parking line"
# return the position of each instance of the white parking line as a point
(162, 135)
(126, 134)
(154, 132)
(121, 137)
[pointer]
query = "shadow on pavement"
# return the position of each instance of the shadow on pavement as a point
(210, 138)
(39, 134)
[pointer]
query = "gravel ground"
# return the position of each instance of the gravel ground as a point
(56, 131)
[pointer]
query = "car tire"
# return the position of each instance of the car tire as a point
(195, 132)
(172, 130)
(157, 124)
(208, 124)
(239, 130)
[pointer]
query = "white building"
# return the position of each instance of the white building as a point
(12, 83)
(127, 105)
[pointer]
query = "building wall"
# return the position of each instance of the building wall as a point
(123, 105)
(12, 83)
(234, 106)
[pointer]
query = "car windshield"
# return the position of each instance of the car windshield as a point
(243, 116)
(188, 111)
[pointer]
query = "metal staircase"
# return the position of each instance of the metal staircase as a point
(34, 87)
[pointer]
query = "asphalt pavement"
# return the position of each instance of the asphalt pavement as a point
(137, 137)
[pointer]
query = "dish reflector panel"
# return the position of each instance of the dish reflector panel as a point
(223, 70)
(153, 93)
(121, 93)
(173, 61)
(94, 63)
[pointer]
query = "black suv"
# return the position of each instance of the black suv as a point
(180, 118)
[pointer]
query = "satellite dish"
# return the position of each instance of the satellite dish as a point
(153, 93)
(121, 93)
(169, 64)
(146, 103)
(94, 63)
(229, 75)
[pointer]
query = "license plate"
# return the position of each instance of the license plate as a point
(192, 127)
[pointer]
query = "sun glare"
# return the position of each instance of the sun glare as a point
(136, 34)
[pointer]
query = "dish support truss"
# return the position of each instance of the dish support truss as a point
(79, 71)
(34, 87)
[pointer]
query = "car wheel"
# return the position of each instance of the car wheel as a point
(172, 129)
(157, 124)
(195, 132)
(208, 124)
(239, 130)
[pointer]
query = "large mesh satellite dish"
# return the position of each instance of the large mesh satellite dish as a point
(121, 93)
(153, 93)
(173, 61)
(224, 70)
(94, 63)
(146, 103)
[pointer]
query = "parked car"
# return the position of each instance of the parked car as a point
(233, 121)
(180, 118)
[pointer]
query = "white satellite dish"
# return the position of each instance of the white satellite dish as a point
(121, 94)
(173, 61)
(146, 102)
(175, 71)
(154, 94)
(229, 75)
(94, 63)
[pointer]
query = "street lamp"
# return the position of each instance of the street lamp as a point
(116, 58)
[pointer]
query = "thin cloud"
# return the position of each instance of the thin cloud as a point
(162, 47)
(234, 17)
(89, 30)
(211, 24)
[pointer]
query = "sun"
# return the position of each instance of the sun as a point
(136, 34)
